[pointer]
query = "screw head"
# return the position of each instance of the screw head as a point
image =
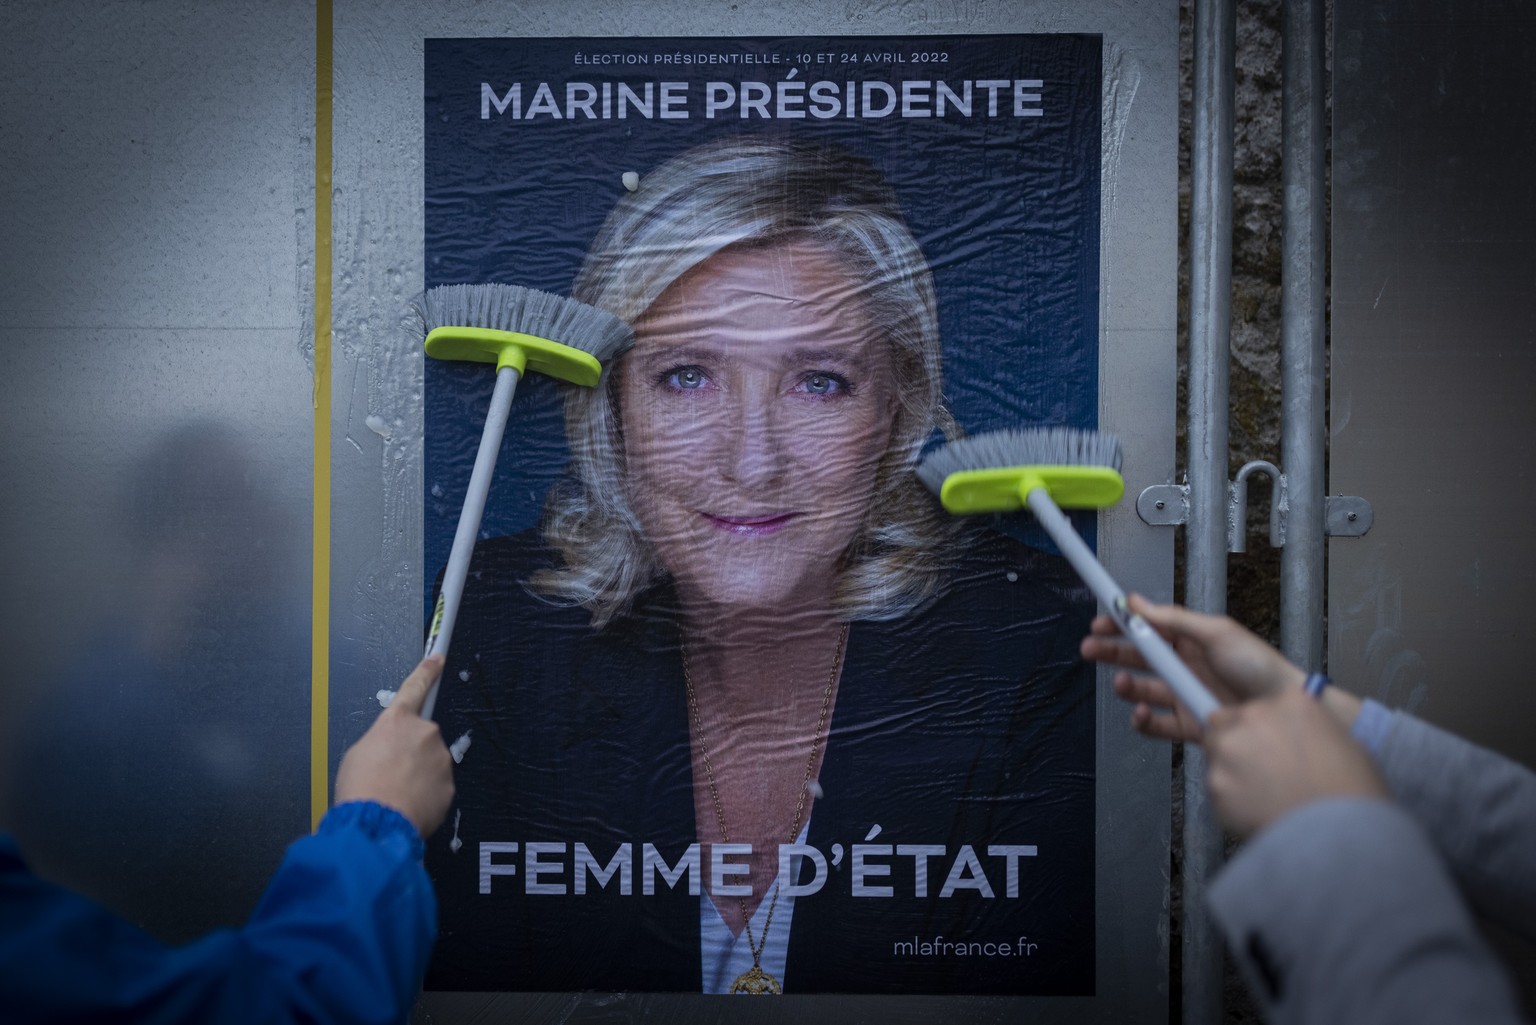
(1161, 504)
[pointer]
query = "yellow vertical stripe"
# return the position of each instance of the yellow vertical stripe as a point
(320, 594)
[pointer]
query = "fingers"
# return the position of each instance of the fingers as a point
(1177, 621)
(1113, 649)
(1222, 720)
(413, 692)
(1162, 725)
(1193, 635)
(1197, 630)
(1157, 713)
(1105, 642)
(1104, 626)
(1144, 690)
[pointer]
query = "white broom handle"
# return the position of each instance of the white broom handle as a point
(1162, 658)
(469, 524)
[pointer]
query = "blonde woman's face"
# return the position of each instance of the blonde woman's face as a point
(757, 404)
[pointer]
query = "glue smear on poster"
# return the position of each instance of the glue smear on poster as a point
(687, 775)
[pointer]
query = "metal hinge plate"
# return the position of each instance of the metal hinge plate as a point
(1167, 505)
(1347, 516)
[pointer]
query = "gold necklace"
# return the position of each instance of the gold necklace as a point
(754, 980)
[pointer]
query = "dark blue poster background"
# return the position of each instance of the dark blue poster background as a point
(961, 741)
(1006, 209)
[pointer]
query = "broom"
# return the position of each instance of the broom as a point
(1042, 469)
(518, 329)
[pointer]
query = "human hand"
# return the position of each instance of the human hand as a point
(1269, 756)
(402, 761)
(1231, 660)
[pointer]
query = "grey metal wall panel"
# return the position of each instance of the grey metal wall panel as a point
(1434, 348)
(1433, 354)
(156, 413)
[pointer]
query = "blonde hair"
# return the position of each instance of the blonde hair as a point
(756, 193)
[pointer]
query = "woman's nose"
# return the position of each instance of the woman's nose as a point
(754, 450)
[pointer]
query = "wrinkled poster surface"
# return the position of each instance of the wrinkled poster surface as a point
(745, 710)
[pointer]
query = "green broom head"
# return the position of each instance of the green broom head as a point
(996, 471)
(522, 328)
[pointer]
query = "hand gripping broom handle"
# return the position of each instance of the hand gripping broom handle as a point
(469, 523)
(1162, 658)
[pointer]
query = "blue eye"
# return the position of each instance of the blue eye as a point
(685, 378)
(824, 383)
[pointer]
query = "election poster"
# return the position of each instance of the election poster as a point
(739, 708)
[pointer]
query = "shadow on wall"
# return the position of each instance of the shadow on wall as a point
(164, 768)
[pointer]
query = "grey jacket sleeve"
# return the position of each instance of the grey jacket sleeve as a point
(1479, 809)
(1342, 912)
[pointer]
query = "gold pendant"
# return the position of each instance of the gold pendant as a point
(756, 982)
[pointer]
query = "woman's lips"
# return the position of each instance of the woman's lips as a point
(751, 526)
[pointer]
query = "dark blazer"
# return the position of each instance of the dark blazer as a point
(968, 723)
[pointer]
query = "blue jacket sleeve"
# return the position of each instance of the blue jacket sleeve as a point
(341, 935)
